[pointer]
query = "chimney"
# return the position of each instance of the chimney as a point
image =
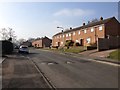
(70, 27)
(101, 18)
(83, 24)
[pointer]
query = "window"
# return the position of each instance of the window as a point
(66, 35)
(63, 35)
(85, 31)
(60, 36)
(88, 40)
(74, 33)
(92, 29)
(57, 36)
(77, 41)
(100, 27)
(61, 42)
(69, 34)
(79, 32)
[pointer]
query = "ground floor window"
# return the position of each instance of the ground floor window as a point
(88, 40)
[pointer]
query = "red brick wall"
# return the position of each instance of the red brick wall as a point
(82, 35)
(112, 28)
(38, 43)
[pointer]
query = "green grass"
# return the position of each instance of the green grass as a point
(70, 50)
(74, 49)
(115, 55)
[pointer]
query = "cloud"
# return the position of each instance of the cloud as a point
(74, 12)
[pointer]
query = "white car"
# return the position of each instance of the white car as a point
(23, 49)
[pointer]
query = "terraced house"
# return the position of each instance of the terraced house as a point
(104, 33)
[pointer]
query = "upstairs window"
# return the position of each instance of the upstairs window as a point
(66, 35)
(79, 32)
(74, 33)
(63, 35)
(92, 29)
(100, 28)
(85, 31)
(69, 34)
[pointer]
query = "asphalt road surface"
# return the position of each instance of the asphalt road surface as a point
(61, 71)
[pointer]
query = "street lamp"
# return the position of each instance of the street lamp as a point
(62, 33)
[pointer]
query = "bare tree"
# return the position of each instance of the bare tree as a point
(8, 34)
(21, 40)
(4, 34)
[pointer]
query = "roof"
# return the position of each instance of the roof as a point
(41, 39)
(88, 25)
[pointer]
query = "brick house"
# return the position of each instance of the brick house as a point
(42, 42)
(88, 34)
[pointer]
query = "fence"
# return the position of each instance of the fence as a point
(112, 42)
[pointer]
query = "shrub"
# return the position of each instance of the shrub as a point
(76, 44)
(69, 43)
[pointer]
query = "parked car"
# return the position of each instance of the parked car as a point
(23, 49)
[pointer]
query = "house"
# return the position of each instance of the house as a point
(103, 32)
(42, 42)
(27, 43)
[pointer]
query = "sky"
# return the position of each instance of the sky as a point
(39, 19)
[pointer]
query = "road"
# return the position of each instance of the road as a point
(61, 71)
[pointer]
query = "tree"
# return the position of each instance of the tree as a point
(21, 40)
(8, 34)
(4, 34)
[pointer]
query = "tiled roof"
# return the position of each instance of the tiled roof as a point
(88, 25)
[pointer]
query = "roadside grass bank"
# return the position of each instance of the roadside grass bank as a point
(115, 55)
(70, 49)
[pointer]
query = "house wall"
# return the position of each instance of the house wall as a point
(112, 28)
(76, 36)
(37, 43)
(47, 42)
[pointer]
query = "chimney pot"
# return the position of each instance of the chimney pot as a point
(83, 24)
(70, 27)
(101, 18)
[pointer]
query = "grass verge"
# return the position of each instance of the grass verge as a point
(115, 55)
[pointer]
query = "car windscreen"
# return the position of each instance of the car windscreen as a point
(24, 47)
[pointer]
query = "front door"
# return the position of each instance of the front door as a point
(82, 42)
(58, 44)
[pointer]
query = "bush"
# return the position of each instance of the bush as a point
(69, 43)
(76, 44)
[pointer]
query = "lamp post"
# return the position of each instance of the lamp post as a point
(62, 33)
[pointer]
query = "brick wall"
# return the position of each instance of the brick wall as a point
(79, 34)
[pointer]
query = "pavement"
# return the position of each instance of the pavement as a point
(19, 72)
(95, 53)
